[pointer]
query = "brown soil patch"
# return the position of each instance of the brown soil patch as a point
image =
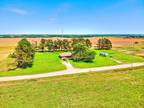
(117, 41)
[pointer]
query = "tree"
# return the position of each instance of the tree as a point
(82, 53)
(24, 54)
(50, 45)
(104, 44)
(56, 45)
(59, 44)
(88, 43)
(89, 56)
(35, 45)
(42, 45)
(66, 44)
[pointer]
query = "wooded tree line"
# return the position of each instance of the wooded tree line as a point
(59, 45)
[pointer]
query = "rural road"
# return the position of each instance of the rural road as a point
(70, 70)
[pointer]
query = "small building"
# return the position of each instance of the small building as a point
(65, 55)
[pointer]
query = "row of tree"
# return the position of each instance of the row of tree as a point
(65, 44)
(60, 45)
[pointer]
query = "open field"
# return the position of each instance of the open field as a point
(113, 89)
(4, 52)
(7, 46)
(43, 62)
(107, 61)
(117, 41)
(135, 49)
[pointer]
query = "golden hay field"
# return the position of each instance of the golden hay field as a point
(117, 41)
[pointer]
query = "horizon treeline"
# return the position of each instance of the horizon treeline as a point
(72, 36)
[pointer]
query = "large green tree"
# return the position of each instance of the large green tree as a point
(24, 54)
(82, 53)
(104, 44)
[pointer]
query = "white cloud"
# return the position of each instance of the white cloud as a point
(18, 11)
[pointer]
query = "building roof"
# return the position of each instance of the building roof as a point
(66, 54)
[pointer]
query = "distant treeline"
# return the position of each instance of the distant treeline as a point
(71, 36)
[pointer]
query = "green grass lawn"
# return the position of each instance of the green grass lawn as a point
(106, 61)
(113, 89)
(43, 62)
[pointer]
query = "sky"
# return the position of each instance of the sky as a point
(71, 16)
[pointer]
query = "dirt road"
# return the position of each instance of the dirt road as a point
(70, 70)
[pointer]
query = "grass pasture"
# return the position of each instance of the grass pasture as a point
(43, 62)
(106, 61)
(113, 89)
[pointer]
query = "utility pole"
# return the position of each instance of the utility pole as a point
(62, 32)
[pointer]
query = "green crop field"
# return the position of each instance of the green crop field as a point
(43, 62)
(113, 89)
(106, 61)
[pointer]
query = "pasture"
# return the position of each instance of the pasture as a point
(122, 89)
(43, 62)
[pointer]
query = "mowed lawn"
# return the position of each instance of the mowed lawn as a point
(107, 61)
(113, 89)
(43, 62)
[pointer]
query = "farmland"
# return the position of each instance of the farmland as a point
(114, 89)
(48, 62)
